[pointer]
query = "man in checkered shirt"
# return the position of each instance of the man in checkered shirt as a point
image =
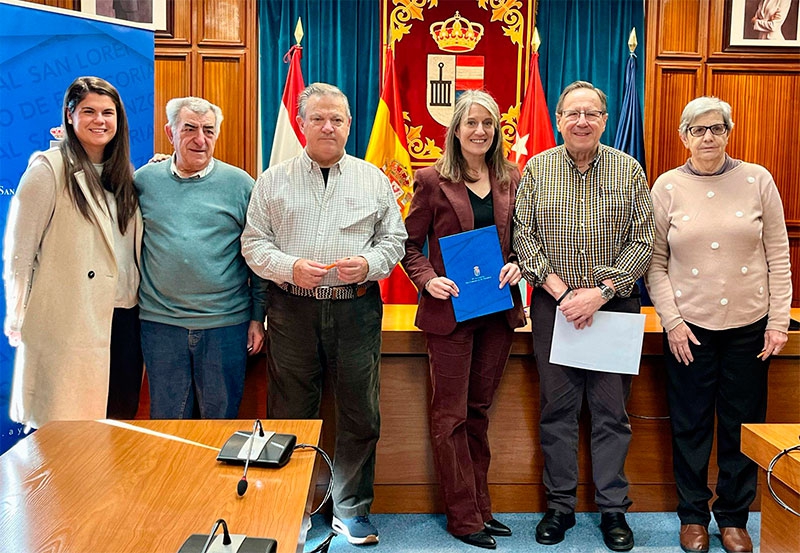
(584, 235)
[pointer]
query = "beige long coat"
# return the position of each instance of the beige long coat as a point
(61, 370)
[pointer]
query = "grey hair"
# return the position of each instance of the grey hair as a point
(701, 106)
(200, 106)
(578, 85)
(320, 89)
(452, 165)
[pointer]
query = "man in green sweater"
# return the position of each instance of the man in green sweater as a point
(202, 309)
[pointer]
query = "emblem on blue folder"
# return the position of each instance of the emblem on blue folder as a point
(473, 260)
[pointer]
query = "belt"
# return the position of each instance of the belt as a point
(346, 292)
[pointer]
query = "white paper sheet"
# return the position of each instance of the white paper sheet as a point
(612, 344)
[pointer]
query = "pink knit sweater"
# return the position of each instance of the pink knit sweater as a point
(721, 253)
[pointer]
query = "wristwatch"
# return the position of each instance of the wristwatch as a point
(606, 292)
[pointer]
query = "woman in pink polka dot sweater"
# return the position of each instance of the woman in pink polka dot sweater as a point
(720, 282)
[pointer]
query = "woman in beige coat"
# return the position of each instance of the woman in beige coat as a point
(70, 257)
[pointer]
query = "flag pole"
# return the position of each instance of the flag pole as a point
(632, 42)
(298, 31)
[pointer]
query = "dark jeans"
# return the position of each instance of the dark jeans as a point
(127, 366)
(195, 370)
(728, 379)
(466, 367)
(308, 338)
(561, 391)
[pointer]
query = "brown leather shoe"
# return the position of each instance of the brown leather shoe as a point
(694, 538)
(736, 540)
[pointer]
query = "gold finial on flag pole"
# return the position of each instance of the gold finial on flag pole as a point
(536, 41)
(298, 31)
(632, 42)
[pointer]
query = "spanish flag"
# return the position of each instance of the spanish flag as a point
(388, 149)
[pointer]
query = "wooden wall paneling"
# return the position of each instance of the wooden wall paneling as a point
(404, 380)
(675, 85)
(179, 25)
(514, 429)
(64, 4)
(765, 131)
(680, 28)
(784, 407)
(173, 75)
(223, 22)
(794, 260)
(222, 82)
(218, 43)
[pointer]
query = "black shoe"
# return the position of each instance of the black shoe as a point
(553, 526)
(494, 527)
(617, 535)
(479, 539)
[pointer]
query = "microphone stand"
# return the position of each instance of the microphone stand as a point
(226, 537)
(241, 487)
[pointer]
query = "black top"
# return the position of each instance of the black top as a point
(482, 209)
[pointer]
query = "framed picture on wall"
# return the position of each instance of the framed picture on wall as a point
(150, 14)
(760, 24)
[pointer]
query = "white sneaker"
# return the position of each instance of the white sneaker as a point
(358, 530)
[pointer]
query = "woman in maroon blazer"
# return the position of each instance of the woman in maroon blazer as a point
(471, 186)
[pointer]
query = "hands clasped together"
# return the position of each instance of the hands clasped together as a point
(350, 270)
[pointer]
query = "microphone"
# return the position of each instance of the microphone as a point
(232, 543)
(226, 537)
(241, 487)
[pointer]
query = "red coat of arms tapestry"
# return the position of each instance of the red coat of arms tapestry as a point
(443, 47)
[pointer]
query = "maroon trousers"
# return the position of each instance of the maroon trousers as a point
(466, 367)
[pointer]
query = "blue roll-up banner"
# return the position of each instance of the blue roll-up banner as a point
(41, 52)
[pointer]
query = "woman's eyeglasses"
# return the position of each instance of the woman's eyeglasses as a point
(699, 130)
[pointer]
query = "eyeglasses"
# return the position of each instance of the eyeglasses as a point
(699, 130)
(591, 115)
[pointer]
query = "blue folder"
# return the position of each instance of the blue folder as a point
(473, 261)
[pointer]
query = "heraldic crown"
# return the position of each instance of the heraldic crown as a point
(457, 34)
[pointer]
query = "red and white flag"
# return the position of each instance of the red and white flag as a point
(534, 130)
(289, 141)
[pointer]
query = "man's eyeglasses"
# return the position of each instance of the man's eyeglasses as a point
(591, 115)
(699, 130)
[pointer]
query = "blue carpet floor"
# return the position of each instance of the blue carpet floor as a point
(653, 533)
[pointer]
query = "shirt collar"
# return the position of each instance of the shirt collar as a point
(309, 163)
(600, 149)
(199, 175)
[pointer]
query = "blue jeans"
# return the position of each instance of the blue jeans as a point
(194, 371)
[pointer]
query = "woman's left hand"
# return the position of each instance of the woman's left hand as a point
(510, 274)
(774, 340)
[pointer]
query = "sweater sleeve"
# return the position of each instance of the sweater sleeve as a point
(776, 249)
(657, 277)
(30, 212)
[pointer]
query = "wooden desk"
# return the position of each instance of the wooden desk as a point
(93, 487)
(405, 480)
(780, 529)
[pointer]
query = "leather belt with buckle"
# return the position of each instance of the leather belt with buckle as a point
(346, 292)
